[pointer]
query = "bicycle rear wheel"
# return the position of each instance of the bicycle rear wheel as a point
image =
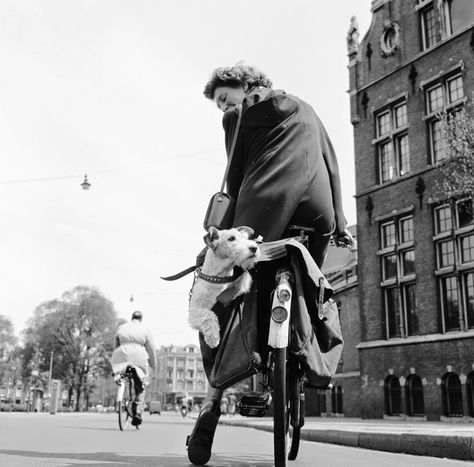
(280, 407)
(124, 406)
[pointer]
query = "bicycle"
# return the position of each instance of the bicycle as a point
(125, 398)
(283, 376)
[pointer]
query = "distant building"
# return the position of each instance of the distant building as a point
(179, 373)
(415, 258)
(340, 268)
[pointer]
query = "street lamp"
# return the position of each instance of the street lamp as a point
(85, 184)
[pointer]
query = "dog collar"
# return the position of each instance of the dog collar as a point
(214, 279)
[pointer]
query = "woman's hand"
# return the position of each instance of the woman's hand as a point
(344, 239)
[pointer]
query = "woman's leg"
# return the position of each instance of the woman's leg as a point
(200, 440)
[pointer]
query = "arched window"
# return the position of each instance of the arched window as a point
(333, 400)
(321, 401)
(451, 395)
(414, 396)
(470, 393)
(336, 400)
(393, 396)
(340, 406)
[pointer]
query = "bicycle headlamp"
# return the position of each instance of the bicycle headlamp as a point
(279, 314)
(283, 294)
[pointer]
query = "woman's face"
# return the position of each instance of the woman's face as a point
(227, 97)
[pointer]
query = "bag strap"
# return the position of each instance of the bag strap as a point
(232, 146)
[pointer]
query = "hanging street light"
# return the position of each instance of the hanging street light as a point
(85, 184)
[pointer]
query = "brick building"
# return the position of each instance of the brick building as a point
(415, 258)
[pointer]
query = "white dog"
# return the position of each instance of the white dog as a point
(227, 248)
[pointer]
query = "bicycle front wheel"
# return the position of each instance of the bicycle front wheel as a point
(296, 400)
(280, 407)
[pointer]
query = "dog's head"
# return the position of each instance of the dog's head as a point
(233, 245)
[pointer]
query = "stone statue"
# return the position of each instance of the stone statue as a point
(353, 36)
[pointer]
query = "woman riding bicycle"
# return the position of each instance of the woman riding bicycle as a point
(284, 171)
(134, 346)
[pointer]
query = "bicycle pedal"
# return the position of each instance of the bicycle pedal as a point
(255, 405)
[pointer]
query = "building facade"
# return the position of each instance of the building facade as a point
(179, 373)
(340, 268)
(415, 257)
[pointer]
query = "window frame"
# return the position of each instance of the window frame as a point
(391, 139)
(437, 146)
(460, 272)
(395, 287)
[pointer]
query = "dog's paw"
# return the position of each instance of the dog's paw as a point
(211, 340)
(210, 330)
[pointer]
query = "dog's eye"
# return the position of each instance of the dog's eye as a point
(231, 239)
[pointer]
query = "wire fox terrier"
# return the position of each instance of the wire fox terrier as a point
(227, 248)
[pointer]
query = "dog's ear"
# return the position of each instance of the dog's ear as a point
(212, 234)
(248, 230)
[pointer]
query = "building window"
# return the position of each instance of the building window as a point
(470, 394)
(464, 213)
(414, 396)
(388, 234)
(447, 94)
(443, 221)
(451, 395)
(391, 141)
(397, 257)
(469, 290)
(336, 400)
(429, 35)
(321, 402)
(460, 15)
(454, 244)
(393, 396)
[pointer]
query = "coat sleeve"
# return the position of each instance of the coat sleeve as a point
(332, 166)
(151, 350)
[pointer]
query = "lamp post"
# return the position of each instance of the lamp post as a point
(50, 374)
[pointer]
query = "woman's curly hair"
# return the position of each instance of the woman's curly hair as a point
(234, 76)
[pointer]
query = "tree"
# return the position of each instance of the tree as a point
(457, 168)
(79, 330)
(10, 364)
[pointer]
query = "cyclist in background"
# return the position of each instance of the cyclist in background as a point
(134, 346)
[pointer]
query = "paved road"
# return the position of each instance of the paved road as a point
(32, 440)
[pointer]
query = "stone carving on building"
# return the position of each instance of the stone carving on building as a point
(390, 40)
(353, 37)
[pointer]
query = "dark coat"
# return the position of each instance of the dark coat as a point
(284, 169)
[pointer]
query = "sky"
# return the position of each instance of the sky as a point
(113, 89)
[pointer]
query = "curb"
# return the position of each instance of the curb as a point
(444, 446)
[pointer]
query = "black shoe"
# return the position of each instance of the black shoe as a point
(137, 420)
(199, 442)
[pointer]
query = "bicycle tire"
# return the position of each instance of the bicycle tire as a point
(124, 406)
(280, 407)
(296, 407)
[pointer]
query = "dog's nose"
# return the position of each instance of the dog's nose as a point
(253, 249)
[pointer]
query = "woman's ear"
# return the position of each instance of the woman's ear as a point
(212, 234)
